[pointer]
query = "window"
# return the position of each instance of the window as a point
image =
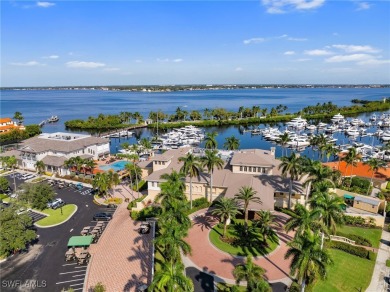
(240, 168)
(373, 206)
(250, 168)
(259, 169)
(245, 168)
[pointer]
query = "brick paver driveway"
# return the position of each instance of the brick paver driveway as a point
(211, 260)
(122, 259)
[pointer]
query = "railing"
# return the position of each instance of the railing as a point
(342, 239)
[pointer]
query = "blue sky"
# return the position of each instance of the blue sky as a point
(60, 43)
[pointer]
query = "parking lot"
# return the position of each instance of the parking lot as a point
(45, 263)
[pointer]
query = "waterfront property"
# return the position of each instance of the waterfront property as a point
(55, 148)
(255, 168)
(7, 124)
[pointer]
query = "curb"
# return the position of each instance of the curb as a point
(70, 216)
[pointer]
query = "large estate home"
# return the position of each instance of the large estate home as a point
(55, 148)
(7, 124)
(255, 168)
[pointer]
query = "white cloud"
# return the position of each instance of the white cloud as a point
(373, 62)
(303, 60)
(363, 5)
(238, 69)
(166, 60)
(111, 69)
(51, 57)
(284, 6)
(177, 60)
(286, 37)
(28, 64)
(45, 4)
(253, 41)
(356, 49)
(317, 52)
(349, 58)
(82, 64)
(289, 53)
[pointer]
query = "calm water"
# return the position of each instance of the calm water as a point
(38, 105)
(116, 166)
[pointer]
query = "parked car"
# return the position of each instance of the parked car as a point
(56, 203)
(102, 217)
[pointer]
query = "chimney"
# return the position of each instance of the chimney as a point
(273, 151)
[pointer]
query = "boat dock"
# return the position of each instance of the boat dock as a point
(126, 132)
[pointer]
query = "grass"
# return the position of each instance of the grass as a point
(388, 263)
(349, 273)
(255, 249)
(372, 234)
(223, 287)
(55, 216)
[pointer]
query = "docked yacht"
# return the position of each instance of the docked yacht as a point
(299, 142)
(53, 119)
(297, 123)
(337, 118)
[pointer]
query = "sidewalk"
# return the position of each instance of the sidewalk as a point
(378, 282)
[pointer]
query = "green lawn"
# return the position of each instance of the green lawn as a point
(223, 287)
(349, 273)
(55, 216)
(254, 250)
(372, 234)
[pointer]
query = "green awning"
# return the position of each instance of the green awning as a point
(349, 197)
(80, 241)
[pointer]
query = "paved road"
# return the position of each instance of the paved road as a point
(44, 265)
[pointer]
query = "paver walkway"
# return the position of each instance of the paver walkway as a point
(122, 258)
(213, 261)
(381, 274)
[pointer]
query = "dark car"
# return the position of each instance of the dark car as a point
(102, 217)
(112, 206)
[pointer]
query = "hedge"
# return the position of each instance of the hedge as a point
(360, 240)
(133, 203)
(148, 212)
(354, 250)
(198, 204)
(142, 185)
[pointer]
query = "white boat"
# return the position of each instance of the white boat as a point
(298, 123)
(373, 117)
(321, 125)
(311, 127)
(337, 118)
(353, 132)
(53, 119)
(299, 142)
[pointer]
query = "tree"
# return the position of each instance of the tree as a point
(329, 150)
(191, 167)
(248, 271)
(231, 143)
(172, 189)
(374, 164)
(210, 140)
(255, 110)
(99, 287)
(283, 140)
(291, 166)
(266, 223)
(195, 115)
(40, 166)
(89, 164)
(11, 162)
(318, 173)
(170, 278)
(15, 230)
(308, 259)
(225, 208)
(134, 157)
(18, 116)
(351, 159)
(101, 183)
(247, 194)
(4, 184)
(38, 195)
(211, 161)
(303, 221)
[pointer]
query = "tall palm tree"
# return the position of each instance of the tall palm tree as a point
(172, 189)
(129, 168)
(308, 259)
(170, 278)
(101, 183)
(266, 223)
(331, 209)
(225, 208)
(374, 164)
(283, 140)
(248, 271)
(329, 150)
(303, 221)
(40, 166)
(231, 143)
(191, 167)
(247, 194)
(134, 157)
(90, 164)
(291, 166)
(318, 173)
(210, 140)
(351, 159)
(211, 161)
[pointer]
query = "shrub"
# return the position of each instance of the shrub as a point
(388, 263)
(142, 185)
(148, 212)
(354, 250)
(295, 287)
(133, 203)
(113, 201)
(354, 221)
(357, 238)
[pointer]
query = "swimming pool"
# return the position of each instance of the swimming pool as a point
(116, 166)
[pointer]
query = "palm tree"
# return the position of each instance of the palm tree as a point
(171, 278)
(129, 168)
(11, 162)
(40, 166)
(90, 164)
(329, 150)
(231, 143)
(248, 271)
(210, 140)
(374, 164)
(191, 167)
(351, 159)
(172, 189)
(211, 161)
(330, 208)
(303, 221)
(266, 223)
(225, 208)
(247, 195)
(308, 259)
(283, 140)
(318, 173)
(291, 166)
(101, 183)
(134, 157)
(18, 116)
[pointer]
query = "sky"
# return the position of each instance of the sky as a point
(88, 43)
